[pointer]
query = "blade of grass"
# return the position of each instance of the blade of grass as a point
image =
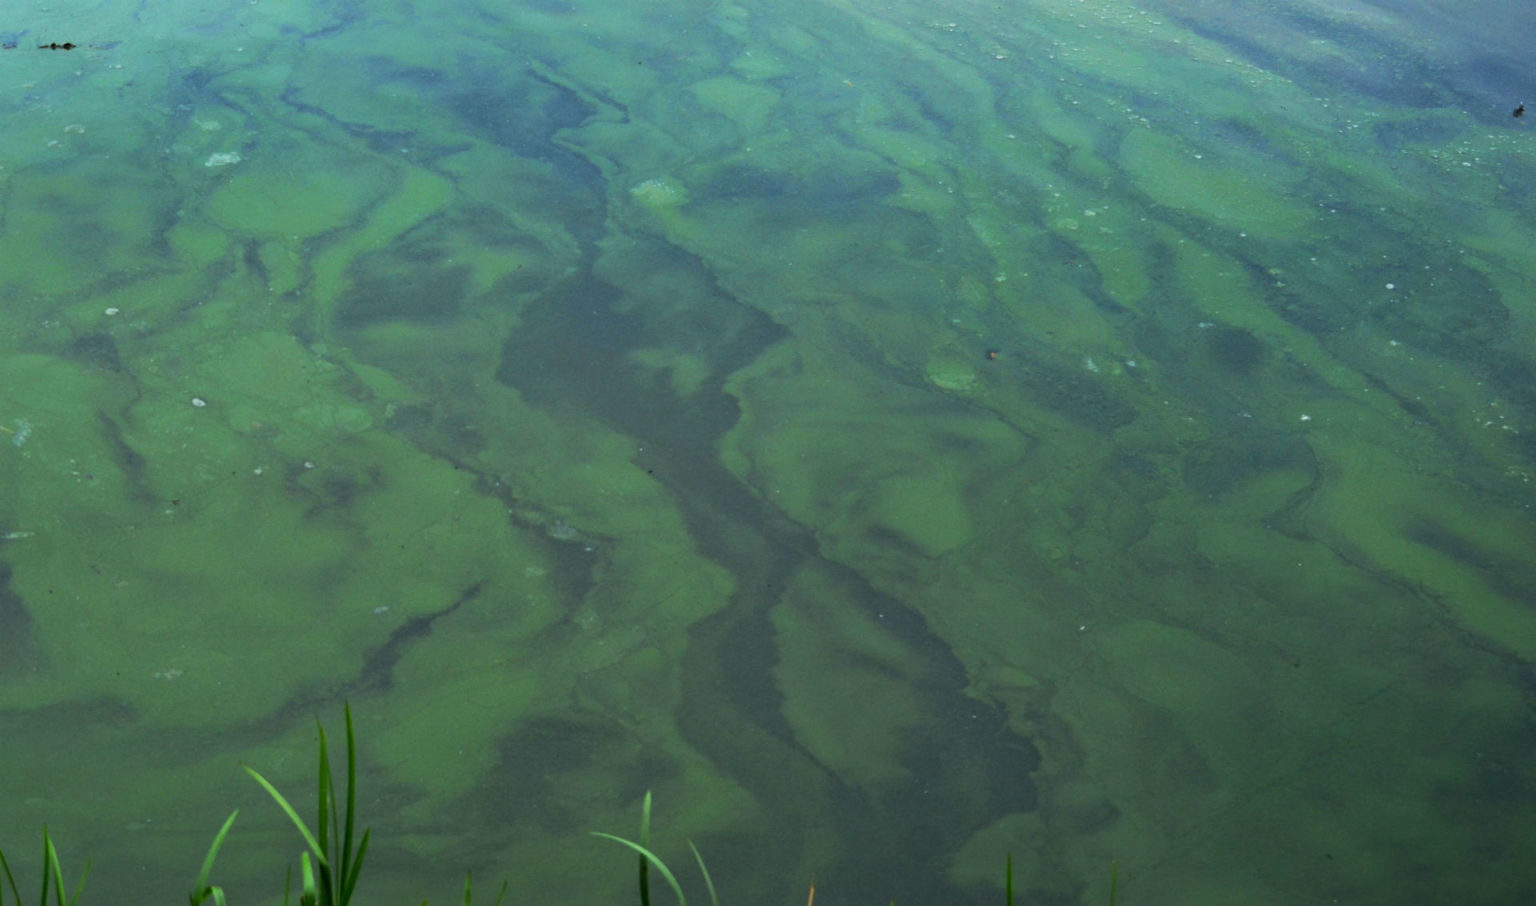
(10, 879)
(348, 871)
(1008, 878)
(1114, 880)
(47, 851)
(52, 869)
(352, 856)
(500, 894)
(709, 882)
(349, 883)
(325, 826)
(310, 895)
(650, 857)
(201, 891)
(80, 885)
(283, 803)
(645, 841)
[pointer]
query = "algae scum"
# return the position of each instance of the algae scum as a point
(898, 435)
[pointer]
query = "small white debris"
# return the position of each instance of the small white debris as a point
(199, 402)
(1306, 418)
(111, 311)
(223, 159)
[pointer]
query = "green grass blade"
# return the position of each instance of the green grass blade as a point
(1114, 880)
(349, 883)
(709, 882)
(325, 824)
(645, 841)
(499, 895)
(309, 896)
(47, 851)
(346, 837)
(1008, 878)
(80, 885)
(201, 891)
(293, 816)
(650, 857)
(645, 882)
(52, 869)
(10, 880)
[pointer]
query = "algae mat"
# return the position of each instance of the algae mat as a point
(898, 436)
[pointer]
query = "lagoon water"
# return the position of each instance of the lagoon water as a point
(899, 435)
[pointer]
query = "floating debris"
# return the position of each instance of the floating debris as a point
(223, 159)
(660, 192)
(20, 433)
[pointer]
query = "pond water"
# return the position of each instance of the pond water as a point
(900, 436)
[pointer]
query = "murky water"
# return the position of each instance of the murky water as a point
(899, 436)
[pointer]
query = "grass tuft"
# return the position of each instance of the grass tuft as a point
(202, 891)
(338, 856)
(53, 877)
(649, 859)
(329, 869)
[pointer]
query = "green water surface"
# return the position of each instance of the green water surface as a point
(898, 434)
